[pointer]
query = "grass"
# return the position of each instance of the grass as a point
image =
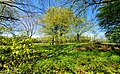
(63, 59)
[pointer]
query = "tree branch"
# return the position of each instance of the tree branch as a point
(7, 18)
(100, 2)
(11, 5)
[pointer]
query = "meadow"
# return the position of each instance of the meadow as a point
(62, 59)
(59, 37)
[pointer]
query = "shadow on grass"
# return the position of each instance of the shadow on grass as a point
(92, 60)
(66, 50)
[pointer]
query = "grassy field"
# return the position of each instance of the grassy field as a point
(64, 59)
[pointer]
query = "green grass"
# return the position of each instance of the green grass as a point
(62, 59)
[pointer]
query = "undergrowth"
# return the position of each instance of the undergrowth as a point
(58, 59)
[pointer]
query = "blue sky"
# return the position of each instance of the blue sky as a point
(45, 4)
(90, 16)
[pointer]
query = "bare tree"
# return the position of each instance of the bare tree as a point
(28, 25)
(81, 26)
(11, 11)
(21, 5)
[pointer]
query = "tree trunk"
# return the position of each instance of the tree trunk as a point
(78, 35)
(56, 34)
(53, 41)
(57, 41)
(61, 38)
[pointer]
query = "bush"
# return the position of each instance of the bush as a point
(5, 40)
(84, 39)
(20, 52)
(36, 40)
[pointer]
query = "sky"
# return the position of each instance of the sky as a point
(90, 16)
(45, 4)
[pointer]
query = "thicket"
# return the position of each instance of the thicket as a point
(15, 53)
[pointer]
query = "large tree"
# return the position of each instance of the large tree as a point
(11, 10)
(56, 22)
(109, 20)
(28, 25)
(81, 26)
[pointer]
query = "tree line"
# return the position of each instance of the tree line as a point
(59, 21)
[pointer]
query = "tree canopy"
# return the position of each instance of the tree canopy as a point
(56, 21)
(109, 19)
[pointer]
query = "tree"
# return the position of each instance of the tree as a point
(80, 6)
(10, 12)
(109, 20)
(81, 26)
(56, 22)
(21, 5)
(28, 25)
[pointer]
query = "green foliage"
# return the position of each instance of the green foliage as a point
(16, 53)
(66, 60)
(5, 40)
(23, 58)
(66, 39)
(46, 39)
(109, 20)
(81, 25)
(36, 40)
(48, 59)
(56, 22)
(84, 39)
(114, 35)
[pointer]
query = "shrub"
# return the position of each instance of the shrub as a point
(18, 53)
